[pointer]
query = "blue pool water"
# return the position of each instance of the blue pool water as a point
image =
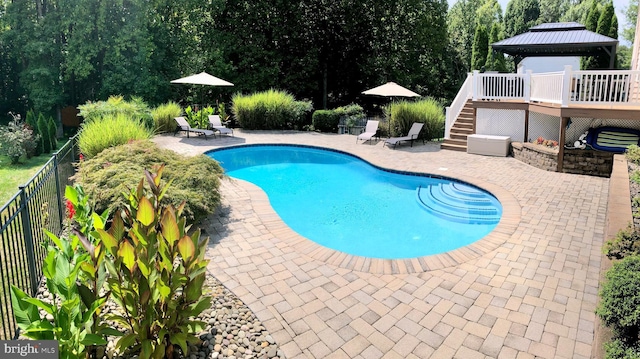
(344, 203)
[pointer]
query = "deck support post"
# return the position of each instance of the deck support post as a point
(526, 126)
(563, 134)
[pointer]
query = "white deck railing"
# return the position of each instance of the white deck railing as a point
(597, 87)
(457, 105)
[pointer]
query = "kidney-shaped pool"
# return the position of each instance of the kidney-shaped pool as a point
(343, 202)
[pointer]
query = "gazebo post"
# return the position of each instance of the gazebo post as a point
(563, 134)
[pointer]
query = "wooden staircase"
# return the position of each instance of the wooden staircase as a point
(462, 127)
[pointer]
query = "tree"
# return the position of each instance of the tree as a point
(480, 48)
(520, 16)
(591, 62)
(462, 20)
(552, 10)
(495, 60)
(631, 14)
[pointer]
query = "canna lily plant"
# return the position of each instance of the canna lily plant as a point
(156, 273)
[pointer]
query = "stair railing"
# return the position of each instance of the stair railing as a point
(458, 103)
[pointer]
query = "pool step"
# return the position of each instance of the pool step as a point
(460, 203)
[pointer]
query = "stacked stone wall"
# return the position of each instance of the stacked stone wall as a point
(576, 161)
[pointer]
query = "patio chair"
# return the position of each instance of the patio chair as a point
(411, 136)
(183, 125)
(369, 131)
(216, 125)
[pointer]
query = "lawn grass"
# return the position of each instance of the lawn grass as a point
(12, 176)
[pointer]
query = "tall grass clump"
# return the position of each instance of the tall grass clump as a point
(110, 131)
(428, 111)
(135, 109)
(269, 110)
(163, 116)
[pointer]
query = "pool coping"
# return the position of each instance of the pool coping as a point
(509, 222)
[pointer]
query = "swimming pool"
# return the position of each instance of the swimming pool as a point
(342, 202)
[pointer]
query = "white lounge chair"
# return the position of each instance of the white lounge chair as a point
(183, 125)
(369, 131)
(411, 136)
(216, 125)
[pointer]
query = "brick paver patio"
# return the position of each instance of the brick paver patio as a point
(528, 291)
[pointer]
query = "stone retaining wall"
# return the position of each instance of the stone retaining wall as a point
(586, 162)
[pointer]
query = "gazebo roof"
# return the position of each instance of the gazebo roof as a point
(557, 39)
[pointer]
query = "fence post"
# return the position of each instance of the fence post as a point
(474, 84)
(59, 190)
(565, 91)
(28, 240)
(527, 86)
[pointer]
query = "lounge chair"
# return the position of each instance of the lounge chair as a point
(369, 131)
(216, 125)
(411, 136)
(183, 125)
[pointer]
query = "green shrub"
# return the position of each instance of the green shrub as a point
(618, 349)
(52, 132)
(32, 121)
(135, 109)
(626, 243)
(619, 306)
(268, 110)
(428, 111)
(156, 273)
(110, 131)
(633, 154)
(43, 130)
(17, 140)
(325, 120)
(163, 116)
(199, 119)
(115, 170)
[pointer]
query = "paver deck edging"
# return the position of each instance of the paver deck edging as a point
(511, 214)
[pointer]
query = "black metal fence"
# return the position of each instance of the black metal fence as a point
(38, 205)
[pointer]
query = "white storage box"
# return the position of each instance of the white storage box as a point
(488, 145)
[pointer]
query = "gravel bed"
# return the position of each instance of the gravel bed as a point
(634, 188)
(232, 329)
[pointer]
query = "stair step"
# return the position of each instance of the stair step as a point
(454, 141)
(459, 203)
(463, 125)
(458, 136)
(450, 147)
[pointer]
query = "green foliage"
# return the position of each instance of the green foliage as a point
(100, 134)
(75, 274)
(552, 10)
(631, 15)
(325, 120)
(135, 109)
(495, 60)
(520, 16)
(195, 179)
(633, 154)
(157, 273)
(268, 110)
(428, 111)
(618, 349)
(52, 131)
(199, 119)
(619, 306)
(591, 62)
(17, 140)
(32, 122)
(626, 243)
(43, 130)
(163, 116)
(480, 48)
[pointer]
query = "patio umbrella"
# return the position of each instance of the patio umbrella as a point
(202, 78)
(391, 89)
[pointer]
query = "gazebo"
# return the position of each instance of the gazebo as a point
(558, 39)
